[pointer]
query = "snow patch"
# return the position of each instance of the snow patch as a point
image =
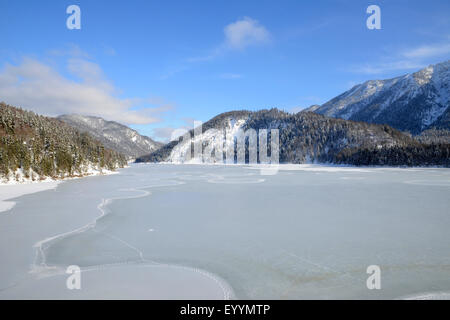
(15, 190)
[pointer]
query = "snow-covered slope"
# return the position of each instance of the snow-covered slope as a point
(233, 127)
(413, 102)
(113, 135)
(304, 137)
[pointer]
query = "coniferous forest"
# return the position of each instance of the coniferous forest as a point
(310, 137)
(43, 147)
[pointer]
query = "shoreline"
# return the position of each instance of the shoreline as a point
(292, 166)
(14, 189)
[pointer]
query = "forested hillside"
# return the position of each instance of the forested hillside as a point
(35, 147)
(308, 137)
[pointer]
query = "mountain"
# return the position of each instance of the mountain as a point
(113, 135)
(34, 147)
(414, 102)
(307, 137)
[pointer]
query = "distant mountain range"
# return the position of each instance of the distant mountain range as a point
(307, 137)
(113, 135)
(414, 102)
(371, 124)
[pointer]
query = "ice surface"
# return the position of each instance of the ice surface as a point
(13, 190)
(307, 232)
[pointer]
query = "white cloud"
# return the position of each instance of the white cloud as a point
(238, 36)
(409, 59)
(244, 33)
(383, 67)
(36, 86)
(167, 134)
(427, 51)
(163, 134)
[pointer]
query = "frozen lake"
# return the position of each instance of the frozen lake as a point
(307, 232)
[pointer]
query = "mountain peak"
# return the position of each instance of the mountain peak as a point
(412, 102)
(113, 134)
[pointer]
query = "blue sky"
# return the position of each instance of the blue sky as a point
(156, 65)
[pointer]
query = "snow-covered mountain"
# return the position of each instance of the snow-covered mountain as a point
(35, 148)
(414, 102)
(305, 137)
(113, 135)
